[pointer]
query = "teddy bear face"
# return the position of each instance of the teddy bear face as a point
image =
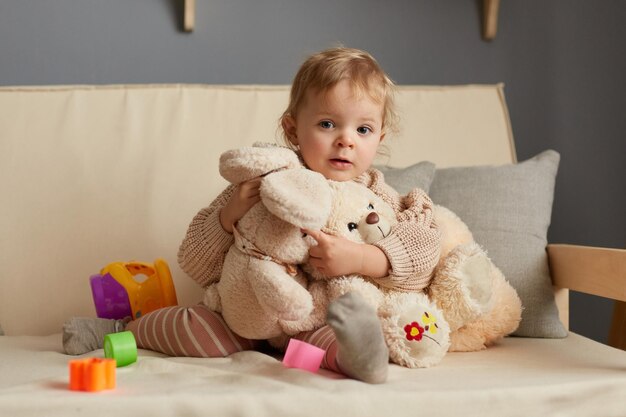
(358, 214)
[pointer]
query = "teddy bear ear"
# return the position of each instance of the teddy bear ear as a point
(243, 164)
(299, 196)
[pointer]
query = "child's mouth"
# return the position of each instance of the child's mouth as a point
(340, 163)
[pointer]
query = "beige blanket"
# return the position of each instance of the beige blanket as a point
(519, 377)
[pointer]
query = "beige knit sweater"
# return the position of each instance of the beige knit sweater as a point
(412, 248)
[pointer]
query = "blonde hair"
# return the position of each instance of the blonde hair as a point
(323, 70)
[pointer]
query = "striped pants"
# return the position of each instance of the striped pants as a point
(199, 332)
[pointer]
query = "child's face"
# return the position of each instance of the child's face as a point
(337, 132)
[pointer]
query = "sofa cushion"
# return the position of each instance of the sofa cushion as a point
(403, 180)
(508, 209)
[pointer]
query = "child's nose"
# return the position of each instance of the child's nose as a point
(345, 139)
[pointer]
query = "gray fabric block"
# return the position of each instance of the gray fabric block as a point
(508, 209)
(403, 180)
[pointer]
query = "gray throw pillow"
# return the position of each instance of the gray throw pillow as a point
(508, 209)
(403, 180)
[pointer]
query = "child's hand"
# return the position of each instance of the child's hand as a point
(334, 256)
(246, 195)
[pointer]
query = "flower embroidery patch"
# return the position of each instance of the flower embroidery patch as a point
(415, 331)
(430, 323)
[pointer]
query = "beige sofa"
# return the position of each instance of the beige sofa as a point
(92, 175)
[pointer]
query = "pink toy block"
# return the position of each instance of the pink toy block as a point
(302, 355)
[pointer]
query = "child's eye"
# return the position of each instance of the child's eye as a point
(352, 226)
(363, 130)
(326, 124)
(371, 206)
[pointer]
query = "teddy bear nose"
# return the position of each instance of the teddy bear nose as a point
(372, 218)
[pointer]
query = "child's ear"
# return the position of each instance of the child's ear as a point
(290, 128)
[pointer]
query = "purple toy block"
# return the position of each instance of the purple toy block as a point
(109, 297)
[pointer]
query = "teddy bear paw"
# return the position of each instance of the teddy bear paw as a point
(476, 268)
(463, 285)
(416, 332)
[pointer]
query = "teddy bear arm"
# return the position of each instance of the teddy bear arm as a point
(317, 318)
(279, 293)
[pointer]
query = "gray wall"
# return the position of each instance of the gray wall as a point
(563, 63)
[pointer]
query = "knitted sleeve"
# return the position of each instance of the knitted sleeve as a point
(414, 246)
(204, 247)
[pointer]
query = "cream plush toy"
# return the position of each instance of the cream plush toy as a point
(261, 287)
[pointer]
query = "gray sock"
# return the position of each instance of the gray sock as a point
(85, 334)
(362, 352)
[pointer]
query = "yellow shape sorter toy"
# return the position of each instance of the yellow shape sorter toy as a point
(117, 288)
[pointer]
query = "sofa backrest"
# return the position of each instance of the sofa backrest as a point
(91, 175)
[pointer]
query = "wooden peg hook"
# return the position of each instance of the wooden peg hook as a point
(490, 18)
(190, 15)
